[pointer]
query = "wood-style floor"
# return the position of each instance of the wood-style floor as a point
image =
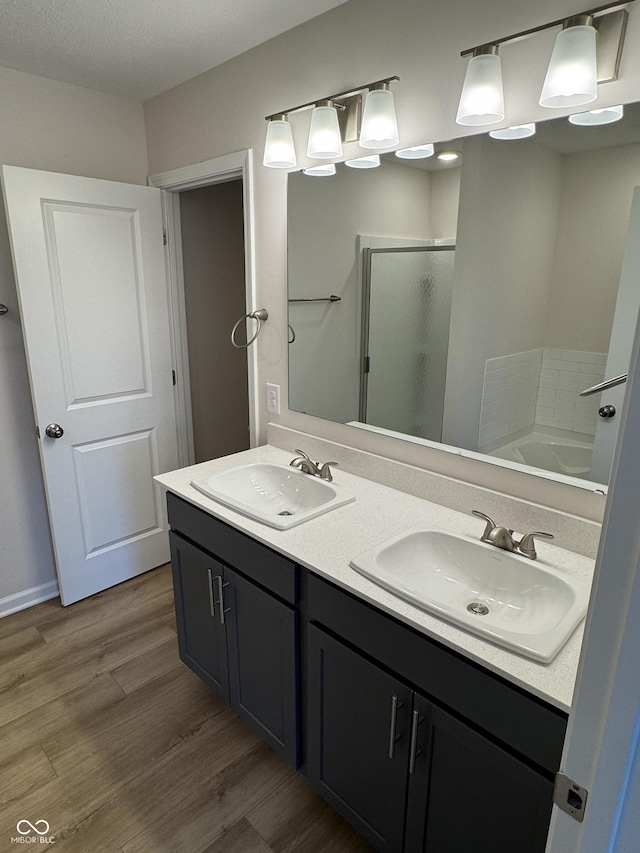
(106, 735)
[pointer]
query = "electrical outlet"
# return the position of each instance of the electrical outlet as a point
(273, 398)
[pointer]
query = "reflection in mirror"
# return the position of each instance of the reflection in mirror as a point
(487, 354)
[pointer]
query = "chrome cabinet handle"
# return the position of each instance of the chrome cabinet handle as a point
(212, 604)
(413, 749)
(393, 726)
(221, 587)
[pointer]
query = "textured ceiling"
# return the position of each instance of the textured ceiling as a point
(139, 48)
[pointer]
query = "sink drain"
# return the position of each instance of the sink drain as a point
(285, 512)
(477, 608)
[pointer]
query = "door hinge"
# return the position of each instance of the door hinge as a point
(570, 797)
(173, 376)
(367, 364)
(164, 240)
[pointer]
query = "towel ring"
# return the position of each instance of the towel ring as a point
(261, 315)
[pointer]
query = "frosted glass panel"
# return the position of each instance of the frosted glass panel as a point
(409, 315)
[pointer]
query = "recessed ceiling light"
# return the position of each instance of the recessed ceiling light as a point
(592, 118)
(448, 156)
(518, 131)
(417, 152)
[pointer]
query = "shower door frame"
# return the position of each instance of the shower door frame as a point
(366, 312)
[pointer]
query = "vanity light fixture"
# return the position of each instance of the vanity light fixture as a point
(572, 75)
(592, 118)
(379, 123)
(416, 152)
(325, 140)
(324, 170)
(482, 98)
(279, 150)
(371, 161)
(518, 131)
(365, 114)
(587, 51)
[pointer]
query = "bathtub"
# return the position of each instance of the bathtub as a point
(551, 453)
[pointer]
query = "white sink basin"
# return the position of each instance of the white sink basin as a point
(515, 602)
(277, 495)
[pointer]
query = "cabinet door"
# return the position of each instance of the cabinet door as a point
(261, 637)
(358, 739)
(466, 793)
(201, 634)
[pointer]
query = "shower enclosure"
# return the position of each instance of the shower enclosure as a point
(405, 338)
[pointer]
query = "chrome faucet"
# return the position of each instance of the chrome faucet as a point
(307, 466)
(502, 537)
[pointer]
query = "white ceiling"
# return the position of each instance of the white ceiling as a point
(139, 48)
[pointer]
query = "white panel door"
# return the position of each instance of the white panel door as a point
(620, 347)
(90, 271)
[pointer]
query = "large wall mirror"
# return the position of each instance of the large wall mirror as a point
(466, 303)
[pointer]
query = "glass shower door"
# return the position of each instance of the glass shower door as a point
(406, 317)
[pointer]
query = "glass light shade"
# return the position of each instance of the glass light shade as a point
(417, 152)
(482, 98)
(607, 115)
(572, 75)
(322, 171)
(279, 150)
(379, 123)
(325, 141)
(518, 131)
(371, 161)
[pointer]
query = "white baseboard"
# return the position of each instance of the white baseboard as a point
(27, 598)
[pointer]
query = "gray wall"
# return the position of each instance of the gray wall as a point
(213, 257)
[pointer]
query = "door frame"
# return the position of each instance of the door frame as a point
(602, 746)
(219, 170)
(365, 304)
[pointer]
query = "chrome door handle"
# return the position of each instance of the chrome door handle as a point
(54, 431)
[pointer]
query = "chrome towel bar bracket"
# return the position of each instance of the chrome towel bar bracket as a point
(260, 316)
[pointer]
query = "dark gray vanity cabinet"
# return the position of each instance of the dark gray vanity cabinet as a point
(201, 636)
(358, 744)
(468, 793)
(418, 747)
(237, 622)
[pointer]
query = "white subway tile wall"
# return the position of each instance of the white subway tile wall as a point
(539, 388)
(563, 375)
(509, 395)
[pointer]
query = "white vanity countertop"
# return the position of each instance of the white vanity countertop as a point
(326, 544)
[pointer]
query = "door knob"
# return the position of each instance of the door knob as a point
(607, 411)
(54, 431)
